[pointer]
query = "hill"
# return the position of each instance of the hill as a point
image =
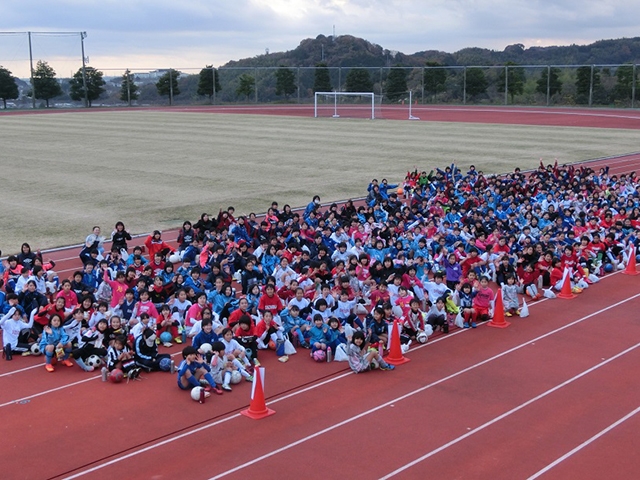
(350, 51)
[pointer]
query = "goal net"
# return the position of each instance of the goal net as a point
(347, 104)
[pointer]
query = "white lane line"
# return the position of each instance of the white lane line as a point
(21, 370)
(62, 387)
(419, 390)
(472, 367)
(584, 444)
(237, 415)
(506, 414)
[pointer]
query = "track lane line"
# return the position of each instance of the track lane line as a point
(39, 394)
(584, 444)
(237, 415)
(363, 414)
(421, 389)
(507, 414)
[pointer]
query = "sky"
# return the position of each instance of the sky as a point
(150, 34)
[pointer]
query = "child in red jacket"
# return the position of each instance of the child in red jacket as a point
(155, 244)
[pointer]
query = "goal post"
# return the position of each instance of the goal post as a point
(348, 104)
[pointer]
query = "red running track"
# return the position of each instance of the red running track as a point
(475, 404)
(484, 403)
(554, 116)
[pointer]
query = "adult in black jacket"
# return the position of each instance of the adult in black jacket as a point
(120, 237)
(204, 225)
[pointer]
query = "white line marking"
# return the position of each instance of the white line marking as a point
(13, 402)
(236, 415)
(506, 414)
(472, 367)
(21, 370)
(390, 402)
(584, 444)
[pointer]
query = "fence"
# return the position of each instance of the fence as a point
(530, 85)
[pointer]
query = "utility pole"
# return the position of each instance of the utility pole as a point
(33, 83)
(83, 35)
(128, 74)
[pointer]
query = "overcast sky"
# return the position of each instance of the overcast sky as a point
(191, 33)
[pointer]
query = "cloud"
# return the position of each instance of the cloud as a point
(160, 33)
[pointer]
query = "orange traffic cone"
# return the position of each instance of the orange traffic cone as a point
(566, 292)
(498, 320)
(395, 356)
(631, 264)
(257, 408)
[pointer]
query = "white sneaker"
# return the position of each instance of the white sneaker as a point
(168, 344)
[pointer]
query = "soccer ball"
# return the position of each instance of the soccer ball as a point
(165, 337)
(319, 356)
(236, 377)
(35, 349)
(374, 364)
(165, 365)
(94, 361)
(206, 348)
(195, 393)
(422, 337)
(175, 258)
(608, 268)
(116, 376)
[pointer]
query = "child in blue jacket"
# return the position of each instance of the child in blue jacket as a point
(318, 334)
(55, 341)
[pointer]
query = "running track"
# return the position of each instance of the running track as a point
(554, 116)
(554, 395)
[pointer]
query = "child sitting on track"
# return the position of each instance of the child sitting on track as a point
(246, 335)
(318, 334)
(91, 343)
(360, 359)
(465, 302)
(510, 297)
(146, 351)
(15, 333)
(55, 341)
(119, 356)
(233, 350)
(192, 369)
(221, 364)
(482, 301)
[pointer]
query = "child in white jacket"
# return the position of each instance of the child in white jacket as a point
(15, 332)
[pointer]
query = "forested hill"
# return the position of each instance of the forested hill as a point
(347, 50)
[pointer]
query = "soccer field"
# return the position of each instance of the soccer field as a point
(63, 173)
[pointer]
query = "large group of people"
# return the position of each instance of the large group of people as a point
(427, 252)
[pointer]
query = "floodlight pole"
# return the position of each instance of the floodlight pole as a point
(591, 86)
(506, 84)
(33, 83)
(170, 87)
(548, 85)
(83, 35)
(128, 74)
(633, 87)
(213, 87)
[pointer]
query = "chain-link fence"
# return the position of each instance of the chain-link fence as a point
(527, 85)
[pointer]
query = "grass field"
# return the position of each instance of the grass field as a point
(63, 173)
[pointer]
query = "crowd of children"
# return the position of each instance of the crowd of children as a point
(330, 280)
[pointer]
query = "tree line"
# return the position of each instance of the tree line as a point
(435, 79)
